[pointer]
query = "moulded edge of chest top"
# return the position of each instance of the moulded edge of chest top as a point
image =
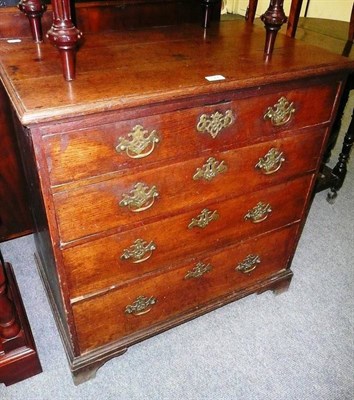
(55, 121)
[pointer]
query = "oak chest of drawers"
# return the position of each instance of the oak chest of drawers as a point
(159, 195)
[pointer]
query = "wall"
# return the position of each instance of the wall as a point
(232, 6)
(330, 9)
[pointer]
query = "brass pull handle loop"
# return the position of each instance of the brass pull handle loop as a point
(258, 213)
(271, 162)
(281, 113)
(138, 140)
(142, 305)
(203, 219)
(139, 251)
(198, 271)
(249, 264)
(140, 198)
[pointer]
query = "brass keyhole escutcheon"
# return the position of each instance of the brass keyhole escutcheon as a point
(210, 169)
(214, 123)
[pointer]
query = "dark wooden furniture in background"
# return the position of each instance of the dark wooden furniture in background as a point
(292, 20)
(15, 216)
(65, 33)
(333, 178)
(159, 194)
(18, 355)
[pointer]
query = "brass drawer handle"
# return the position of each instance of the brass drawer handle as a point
(248, 264)
(199, 270)
(214, 123)
(271, 162)
(140, 198)
(203, 219)
(141, 305)
(139, 142)
(281, 113)
(139, 251)
(258, 213)
(210, 169)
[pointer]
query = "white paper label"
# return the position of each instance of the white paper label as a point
(214, 78)
(14, 41)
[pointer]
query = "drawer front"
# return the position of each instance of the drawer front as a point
(123, 312)
(157, 139)
(178, 187)
(90, 267)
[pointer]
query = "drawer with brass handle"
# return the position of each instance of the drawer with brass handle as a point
(123, 145)
(111, 204)
(156, 300)
(86, 275)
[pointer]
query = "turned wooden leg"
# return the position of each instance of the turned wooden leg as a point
(251, 11)
(340, 170)
(208, 10)
(294, 15)
(34, 10)
(273, 19)
(64, 36)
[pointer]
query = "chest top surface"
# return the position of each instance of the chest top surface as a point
(142, 67)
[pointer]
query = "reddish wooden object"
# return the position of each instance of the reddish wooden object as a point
(292, 20)
(209, 6)
(15, 216)
(18, 355)
(155, 78)
(251, 11)
(273, 19)
(34, 10)
(64, 36)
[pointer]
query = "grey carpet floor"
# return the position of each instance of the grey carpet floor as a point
(295, 346)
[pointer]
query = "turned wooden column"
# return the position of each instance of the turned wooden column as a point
(64, 36)
(251, 11)
(339, 172)
(9, 327)
(34, 10)
(208, 6)
(273, 19)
